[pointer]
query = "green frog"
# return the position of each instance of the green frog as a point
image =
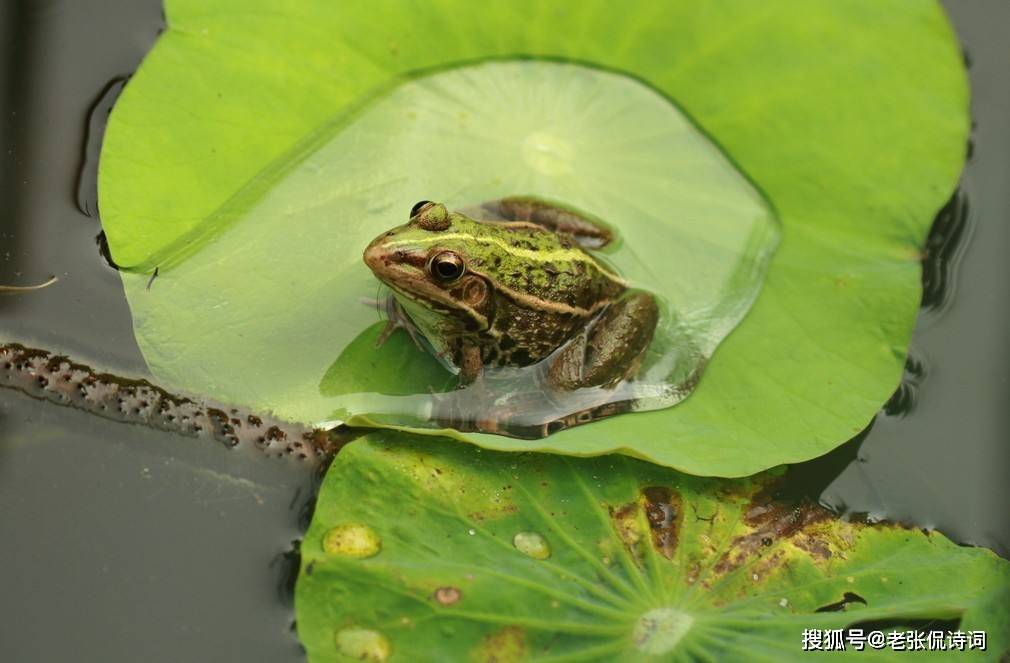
(515, 291)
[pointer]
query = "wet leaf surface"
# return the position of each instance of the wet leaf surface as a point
(489, 556)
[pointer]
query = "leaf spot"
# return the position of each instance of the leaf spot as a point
(352, 540)
(448, 595)
(505, 646)
(663, 509)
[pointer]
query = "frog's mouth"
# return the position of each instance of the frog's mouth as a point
(439, 301)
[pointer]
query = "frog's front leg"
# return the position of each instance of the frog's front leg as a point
(587, 231)
(396, 318)
(470, 365)
(611, 349)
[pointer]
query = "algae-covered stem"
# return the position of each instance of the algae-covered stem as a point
(57, 379)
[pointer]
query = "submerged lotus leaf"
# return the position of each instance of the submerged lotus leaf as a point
(644, 562)
(850, 118)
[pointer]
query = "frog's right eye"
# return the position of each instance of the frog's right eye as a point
(446, 266)
(418, 206)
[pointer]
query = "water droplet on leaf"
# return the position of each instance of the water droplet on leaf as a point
(362, 644)
(532, 545)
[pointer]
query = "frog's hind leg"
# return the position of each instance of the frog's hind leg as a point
(587, 231)
(611, 350)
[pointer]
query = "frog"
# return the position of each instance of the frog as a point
(514, 290)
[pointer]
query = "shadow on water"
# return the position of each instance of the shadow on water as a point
(86, 190)
(946, 242)
(287, 563)
(87, 176)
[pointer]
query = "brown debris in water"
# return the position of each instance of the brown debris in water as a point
(57, 379)
(17, 289)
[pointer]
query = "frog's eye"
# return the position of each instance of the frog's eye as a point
(418, 206)
(446, 266)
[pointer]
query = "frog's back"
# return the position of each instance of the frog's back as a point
(545, 288)
(542, 270)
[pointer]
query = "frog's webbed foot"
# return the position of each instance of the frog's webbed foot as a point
(590, 232)
(396, 318)
(611, 350)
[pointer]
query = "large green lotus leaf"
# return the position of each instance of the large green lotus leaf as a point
(849, 116)
(624, 153)
(422, 549)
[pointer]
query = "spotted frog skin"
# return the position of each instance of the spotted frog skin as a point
(510, 293)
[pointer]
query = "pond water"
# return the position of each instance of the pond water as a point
(126, 543)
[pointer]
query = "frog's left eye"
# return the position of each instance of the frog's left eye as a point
(446, 266)
(430, 216)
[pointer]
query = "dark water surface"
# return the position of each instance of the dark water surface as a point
(122, 543)
(117, 543)
(946, 462)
